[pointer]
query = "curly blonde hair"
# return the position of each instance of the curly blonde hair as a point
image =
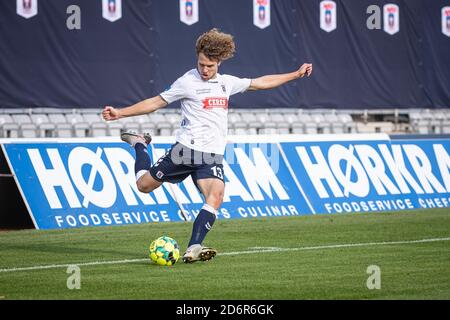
(216, 45)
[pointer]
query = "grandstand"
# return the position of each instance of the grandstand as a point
(86, 122)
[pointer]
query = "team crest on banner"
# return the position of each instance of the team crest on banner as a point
(391, 18)
(328, 20)
(261, 13)
(27, 8)
(112, 9)
(189, 11)
(446, 21)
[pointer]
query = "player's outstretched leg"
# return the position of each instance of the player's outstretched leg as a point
(140, 143)
(132, 137)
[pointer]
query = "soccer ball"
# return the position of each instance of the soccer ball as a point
(164, 251)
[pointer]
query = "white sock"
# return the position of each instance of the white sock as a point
(140, 174)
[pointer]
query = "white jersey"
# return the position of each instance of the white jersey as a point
(204, 107)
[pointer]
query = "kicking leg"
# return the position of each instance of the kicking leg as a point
(144, 181)
(212, 189)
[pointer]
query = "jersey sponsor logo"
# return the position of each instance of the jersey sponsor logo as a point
(446, 21)
(209, 103)
(189, 11)
(27, 8)
(391, 18)
(328, 20)
(112, 10)
(261, 13)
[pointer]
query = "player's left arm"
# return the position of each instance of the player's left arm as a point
(276, 80)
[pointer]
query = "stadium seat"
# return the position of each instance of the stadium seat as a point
(311, 128)
(335, 123)
(145, 125)
(445, 127)
(240, 126)
(434, 126)
(262, 117)
(164, 129)
(79, 127)
(98, 127)
(44, 126)
(348, 123)
(240, 131)
(253, 127)
(129, 123)
(234, 117)
(375, 127)
(251, 120)
(277, 117)
(8, 129)
(283, 127)
(337, 127)
(63, 129)
(284, 130)
(304, 118)
(291, 118)
(114, 128)
(322, 126)
(331, 117)
(174, 119)
(157, 117)
(267, 131)
(27, 129)
(420, 126)
(269, 126)
(298, 128)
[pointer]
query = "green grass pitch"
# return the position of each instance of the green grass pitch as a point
(305, 257)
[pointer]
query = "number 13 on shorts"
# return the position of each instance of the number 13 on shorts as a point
(217, 171)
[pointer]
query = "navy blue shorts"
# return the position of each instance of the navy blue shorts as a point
(181, 162)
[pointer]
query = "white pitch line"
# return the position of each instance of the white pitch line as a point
(53, 266)
(256, 250)
(333, 246)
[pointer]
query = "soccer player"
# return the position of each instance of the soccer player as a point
(200, 143)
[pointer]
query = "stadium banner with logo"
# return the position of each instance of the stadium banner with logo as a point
(91, 182)
(367, 174)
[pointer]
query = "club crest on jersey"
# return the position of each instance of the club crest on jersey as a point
(224, 89)
(328, 20)
(391, 18)
(189, 11)
(112, 9)
(446, 21)
(210, 103)
(261, 13)
(27, 8)
(160, 174)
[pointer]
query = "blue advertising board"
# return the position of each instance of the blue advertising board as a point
(364, 174)
(428, 162)
(87, 182)
(79, 183)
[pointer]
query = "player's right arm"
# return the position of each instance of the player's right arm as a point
(143, 107)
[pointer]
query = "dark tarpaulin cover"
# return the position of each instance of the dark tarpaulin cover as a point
(44, 64)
